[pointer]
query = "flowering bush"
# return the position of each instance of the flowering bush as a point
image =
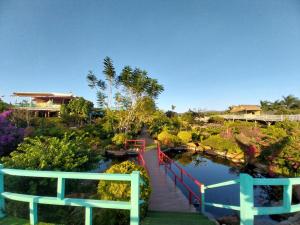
(10, 136)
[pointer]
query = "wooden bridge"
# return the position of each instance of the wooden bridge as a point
(165, 195)
(263, 118)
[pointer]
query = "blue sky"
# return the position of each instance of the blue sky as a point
(208, 54)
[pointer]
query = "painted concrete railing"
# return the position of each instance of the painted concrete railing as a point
(247, 208)
(89, 204)
(265, 118)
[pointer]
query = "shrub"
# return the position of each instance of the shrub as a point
(78, 110)
(4, 106)
(120, 190)
(216, 119)
(222, 144)
(274, 132)
(119, 139)
(10, 136)
(168, 139)
(185, 136)
(71, 153)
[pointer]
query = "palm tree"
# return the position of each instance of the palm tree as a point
(290, 101)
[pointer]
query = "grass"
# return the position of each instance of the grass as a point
(174, 218)
(16, 221)
(153, 218)
(151, 146)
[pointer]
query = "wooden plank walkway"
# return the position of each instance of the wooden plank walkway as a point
(165, 196)
(265, 118)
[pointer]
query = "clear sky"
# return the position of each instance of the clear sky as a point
(208, 54)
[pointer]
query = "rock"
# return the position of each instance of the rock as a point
(229, 220)
(293, 220)
(207, 148)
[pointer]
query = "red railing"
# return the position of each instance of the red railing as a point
(165, 160)
(140, 144)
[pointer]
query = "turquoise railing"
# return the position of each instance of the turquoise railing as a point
(246, 207)
(89, 204)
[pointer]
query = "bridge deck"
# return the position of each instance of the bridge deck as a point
(165, 196)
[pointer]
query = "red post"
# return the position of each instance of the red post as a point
(190, 197)
(181, 174)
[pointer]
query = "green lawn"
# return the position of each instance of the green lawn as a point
(153, 218)
(174, 218)
(16, 221)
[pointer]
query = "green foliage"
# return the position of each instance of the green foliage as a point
(274, 132)
(185, 136)
(53, 127)
(222, 144)
(71, 153)
(134, 98)
(168, 139)
(160, 121)
(119, 139)
(216, 119)
(290, 126)
(283, 156)
(78, 110)
(120, 190)
(3, 106)
(287, 105)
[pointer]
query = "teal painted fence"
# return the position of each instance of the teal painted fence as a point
(246, 207)
(89, 204)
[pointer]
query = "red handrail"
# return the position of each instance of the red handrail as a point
(137, 143)
(141, 145)
(168, 162)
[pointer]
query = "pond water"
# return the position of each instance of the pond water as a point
(211, 171)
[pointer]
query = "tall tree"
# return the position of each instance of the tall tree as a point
(110, 76)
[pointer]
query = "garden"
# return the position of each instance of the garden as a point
(126, 104)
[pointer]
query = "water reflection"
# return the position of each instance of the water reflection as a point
(209, 170)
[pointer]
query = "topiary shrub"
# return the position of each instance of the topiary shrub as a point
(185, 136)
(120, 190)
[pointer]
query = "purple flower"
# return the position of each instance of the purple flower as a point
(10, 136)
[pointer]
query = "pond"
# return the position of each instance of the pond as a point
(211, 171)
(208, 171)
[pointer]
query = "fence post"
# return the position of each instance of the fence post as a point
(33, 214)
(202, 191)
(246, 200)
(88, 216)
(135, 198)
(60, 188)
(287, 197)
(2, 201)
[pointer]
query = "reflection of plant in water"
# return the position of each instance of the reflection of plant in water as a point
(199, 161)
(186, 158)
(234, 170)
